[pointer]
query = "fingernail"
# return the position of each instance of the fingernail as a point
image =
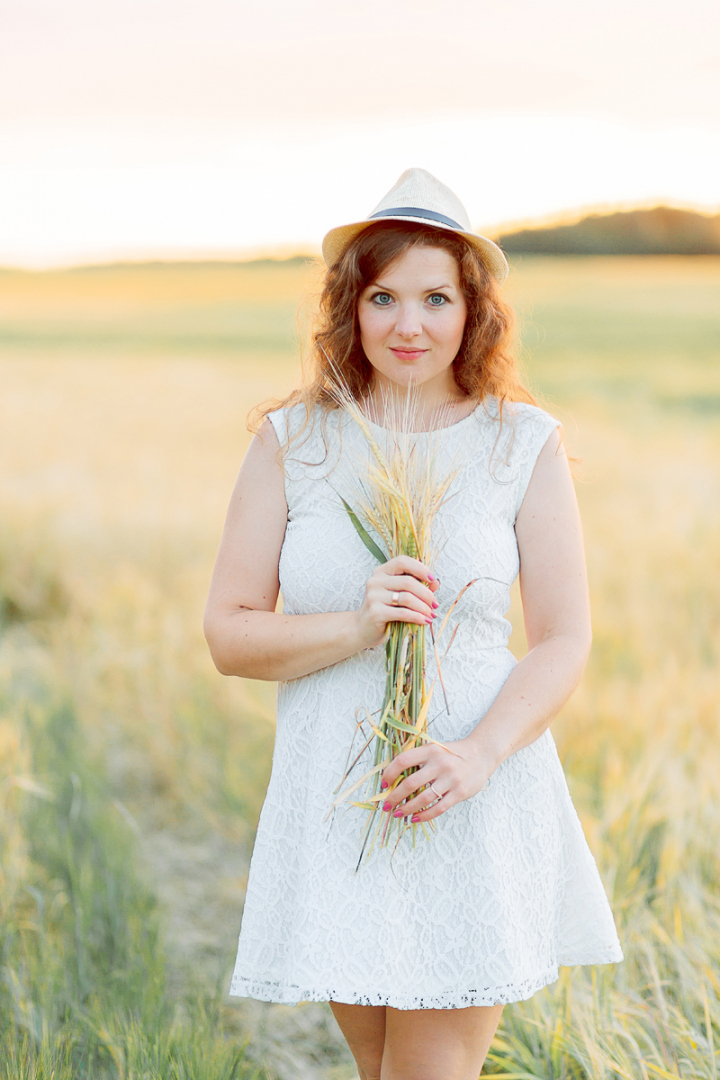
(384, 785)
(432, 577)
(414, 818)
(435, 603)
(429, 619)
(387, 806)
(399, 813)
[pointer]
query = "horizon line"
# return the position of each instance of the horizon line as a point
(284, 252)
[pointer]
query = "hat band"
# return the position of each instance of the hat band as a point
(418, 212)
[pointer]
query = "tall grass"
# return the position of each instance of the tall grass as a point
(117, 469)
(84, 983)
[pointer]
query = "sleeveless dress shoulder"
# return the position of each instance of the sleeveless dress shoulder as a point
(506, 889)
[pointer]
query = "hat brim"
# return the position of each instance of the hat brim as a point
(335, 242)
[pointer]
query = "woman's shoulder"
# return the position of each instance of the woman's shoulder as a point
(533, 426)
(290, 421)
(515, 421)
(516, 433)
(308, 437)
(521, 413)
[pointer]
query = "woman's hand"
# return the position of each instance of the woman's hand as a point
(456, 770)
(400, 590)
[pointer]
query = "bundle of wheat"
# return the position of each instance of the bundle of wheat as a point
(398, 501)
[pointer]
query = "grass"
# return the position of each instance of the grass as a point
(84, 989)
(185, 308)
(120, 442)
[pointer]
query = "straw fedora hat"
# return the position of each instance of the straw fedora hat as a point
(418, 196)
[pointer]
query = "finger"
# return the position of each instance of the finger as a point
(407, 788)
(391, 613)
(407, 583)
(422, 801)
(399, 598)
(435, 810)
(406, 609)
(405, 564)
(408, 759)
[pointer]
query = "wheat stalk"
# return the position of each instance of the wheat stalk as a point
(398, 501)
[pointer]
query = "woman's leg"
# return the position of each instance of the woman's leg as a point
(363, 1027)
(437, 1044)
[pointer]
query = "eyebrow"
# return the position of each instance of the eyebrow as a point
(386, 288)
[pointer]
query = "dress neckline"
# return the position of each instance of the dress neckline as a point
(448, 427)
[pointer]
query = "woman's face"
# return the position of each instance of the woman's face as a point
(412, 321)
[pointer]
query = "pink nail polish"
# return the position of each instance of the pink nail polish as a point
(435, 604)
(387, 806)
(432, 577)
(414, 818)
(398, 813)
(429, 619)
(384, 785)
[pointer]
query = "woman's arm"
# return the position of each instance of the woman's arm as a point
(556, 610)
(553, 585)
(245, 635)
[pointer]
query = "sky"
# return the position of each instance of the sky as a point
(183, 128)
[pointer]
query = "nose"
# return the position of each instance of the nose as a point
(408, 323)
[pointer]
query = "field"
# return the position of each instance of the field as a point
(131, 773)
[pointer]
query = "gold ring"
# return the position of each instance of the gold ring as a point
(395, 599)
(436, 791)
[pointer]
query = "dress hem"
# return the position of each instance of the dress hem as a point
(453, 999)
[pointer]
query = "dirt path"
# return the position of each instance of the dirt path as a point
(200, 882)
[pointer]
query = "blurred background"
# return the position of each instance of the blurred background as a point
(167, 172)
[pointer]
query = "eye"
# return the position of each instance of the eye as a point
(437, 299)
(381, 299)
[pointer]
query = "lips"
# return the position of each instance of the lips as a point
(408, 354)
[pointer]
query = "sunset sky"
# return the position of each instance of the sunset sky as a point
(170, 128)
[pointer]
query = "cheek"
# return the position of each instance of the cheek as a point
(462, 321)
(372, 325)
(454, 330)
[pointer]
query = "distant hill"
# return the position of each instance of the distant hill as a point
(659, 231)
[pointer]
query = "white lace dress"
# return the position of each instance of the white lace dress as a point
(507, 888)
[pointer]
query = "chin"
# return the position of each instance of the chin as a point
(406, 376)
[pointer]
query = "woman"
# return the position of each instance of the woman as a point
(420, 948)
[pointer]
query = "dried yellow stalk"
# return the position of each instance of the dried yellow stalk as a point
(399, 501)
